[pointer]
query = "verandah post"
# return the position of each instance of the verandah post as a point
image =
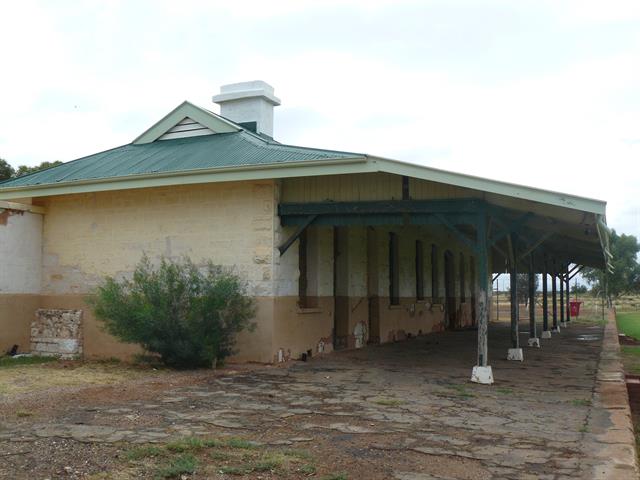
(562, 311)
(482, 372)
(515, 352)
(534, 341)
(566, 278)
(554, 298)
(545, 301)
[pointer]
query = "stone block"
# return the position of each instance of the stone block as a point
(57, 332)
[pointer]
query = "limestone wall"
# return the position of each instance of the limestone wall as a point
(57, 332)
(88, 236)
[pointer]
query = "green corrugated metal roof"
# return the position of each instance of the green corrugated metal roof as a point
(181, 155)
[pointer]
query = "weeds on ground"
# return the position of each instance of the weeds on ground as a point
(8, 361)
(388, 402)
(229, 456)
(336, 476)
(581, 402)
(307, 469)
(461, 391)
(23, 413)
(504, 391)
(180, 465)
(139, 453)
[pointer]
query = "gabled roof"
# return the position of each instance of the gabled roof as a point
(215, 123)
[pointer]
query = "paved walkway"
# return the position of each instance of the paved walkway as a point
(403, 411)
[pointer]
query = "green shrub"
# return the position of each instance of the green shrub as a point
(186, 315)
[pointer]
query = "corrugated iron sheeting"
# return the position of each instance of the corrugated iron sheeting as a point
(180, 155)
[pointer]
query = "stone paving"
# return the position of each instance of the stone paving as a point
(410, 399)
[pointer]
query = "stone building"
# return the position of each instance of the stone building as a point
(339, 249)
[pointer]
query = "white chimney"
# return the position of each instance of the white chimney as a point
(248, 102)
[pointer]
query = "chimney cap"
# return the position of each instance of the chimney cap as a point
(244, 90)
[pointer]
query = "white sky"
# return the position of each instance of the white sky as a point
(545, 93)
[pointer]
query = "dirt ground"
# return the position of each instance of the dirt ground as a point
(398, 411)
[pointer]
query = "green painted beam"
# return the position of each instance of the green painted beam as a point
(377, 219)
(380, 207)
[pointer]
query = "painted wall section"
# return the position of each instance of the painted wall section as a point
(88, 236)
(20, 276)
(20, 251)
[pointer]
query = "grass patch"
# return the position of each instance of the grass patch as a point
(23, 413)
(268, 463)
(335, 476)
(584, 429)
(581, 402)
(240, 443)
(629, 324)
(388, 402)
(462, 392)
(219, 456)
(229, 456)
(139, 453)
(504, 391)
(188, 444)
(178, 466)
(307, 469)
(630, 350)
(297, 454)
(7, 361)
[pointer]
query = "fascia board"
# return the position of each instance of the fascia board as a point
(494, 186)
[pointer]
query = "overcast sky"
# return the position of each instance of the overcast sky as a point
(545, 93)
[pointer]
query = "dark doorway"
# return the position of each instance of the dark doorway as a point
(449, 291)
(340, 289)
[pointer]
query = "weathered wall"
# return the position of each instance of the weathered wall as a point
(20, 276)
(88, 236)
(362, 269)
(57, 332)
(16, 313)
(20, 251)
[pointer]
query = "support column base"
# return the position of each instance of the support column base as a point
(515, 354)
(482, 375)
(556, 329)
(534, 342)
(546, 334)
(563, 324)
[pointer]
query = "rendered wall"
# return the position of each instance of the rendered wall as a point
(20, 276)
(88, 236)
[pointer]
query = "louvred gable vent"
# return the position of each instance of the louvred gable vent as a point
(186, 128)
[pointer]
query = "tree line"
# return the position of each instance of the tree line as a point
(7, 171)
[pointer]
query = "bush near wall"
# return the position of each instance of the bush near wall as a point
(187, 315)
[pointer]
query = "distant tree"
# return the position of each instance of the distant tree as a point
(579, 289)
(625, 277)
(522, 287)
(25, 170)
(6, 170)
